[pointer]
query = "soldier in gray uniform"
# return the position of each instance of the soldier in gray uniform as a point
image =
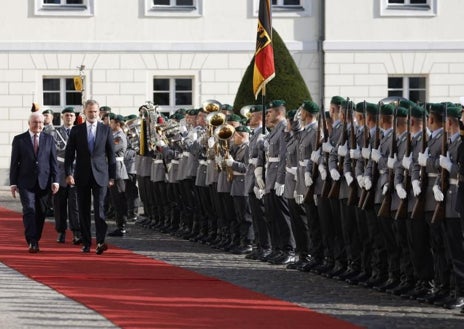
(255, 195)
(211, 179)
(277, 212)
(132, 193)
(65, 200)
(117, 191)
(309, 228)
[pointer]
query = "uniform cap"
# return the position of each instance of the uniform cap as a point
(243, 129)
(68, 109)
(337, 100)
(310, 107)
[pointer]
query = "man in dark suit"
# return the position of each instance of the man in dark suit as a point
(33, 172)
(91, 145)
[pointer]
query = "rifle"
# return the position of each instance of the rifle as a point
(309, 199)
(353, 188)
(385, 207)
(402, 211)
(419, 206)
(370, 197)
(335, 188)
(440, 209)
(366, 138)
(326, 184)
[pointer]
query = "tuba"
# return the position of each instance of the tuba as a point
(132, 130)
(211, 105)
(224, 134)
(245, 111)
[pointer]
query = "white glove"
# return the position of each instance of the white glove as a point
(259, 178)
(445, 162)
(437, 194)
(327, 147)
(401, 191)
(182, 129)
(391, 162)
(266, 144)
(360, 180)
(211, 142)
(407, 161)
(355, 153)
(376, 155)
(334, 174)
(160, 143)
(416, 189)
(422, 158)
(308, 179)
(218, 159)
(279, 189)
(349, 178)
(299, 198)
(193, 135)
(322, 171)
(343, 150)
(258, 192)
(385, 189)
(315, 156)
(292, 171)
(229, 161)
(366, 152)
(367, 183)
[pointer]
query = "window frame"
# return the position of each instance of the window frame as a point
(173, 11)
(62, 92)
(407, 9)
(87, 9)
(282, 10)
(172, 107)
(406, 90)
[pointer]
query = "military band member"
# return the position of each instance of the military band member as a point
(65, 200)
(132, 193)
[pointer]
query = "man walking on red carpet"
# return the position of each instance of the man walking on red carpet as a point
(33, 171)
(91, 145)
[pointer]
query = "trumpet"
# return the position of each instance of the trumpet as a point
(211, 105)
(246, 111)
(224, 134)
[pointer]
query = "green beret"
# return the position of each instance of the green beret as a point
(111, 116)
(370, 108)
(192, 112)
(48, 111)
(291, 114)
(178, 116)
(337, 100)
(406, 103)
(243, 129)
(435, 108)
(105, 109)
(417, 112)
(310, 107)
(227, 107)
(234, 117)
(118, 118)
(276, 103)
(387, 109)
(181, 111)
(131, 117)
(454, 111)
(402, 112)
(256, 108)
(68, 109)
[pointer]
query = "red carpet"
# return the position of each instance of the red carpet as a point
(134, 291)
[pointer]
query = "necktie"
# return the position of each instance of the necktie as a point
(36, 144)
(91, 138)
(67, 131)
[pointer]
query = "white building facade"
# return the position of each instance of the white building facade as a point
(178, 53)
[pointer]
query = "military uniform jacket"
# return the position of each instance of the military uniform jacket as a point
(434, 145)
(451, 195)
(255, 146)
(129, 160)
(223, 184)
(414, 169)
(460, 192)
(211, 167)
(398, 169)
(275, 164)
(361, 162)
(239, 167)
(292, 139)
(120, 146)
(60, 152)
(306, 144)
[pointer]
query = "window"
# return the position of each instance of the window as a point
(60, 92)
(413, 88)
(64, 7)
(286, 5)
(170, 93)
(287, 8)
(172, 8)
(408, 7)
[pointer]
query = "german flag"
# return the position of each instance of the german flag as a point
(264, 56)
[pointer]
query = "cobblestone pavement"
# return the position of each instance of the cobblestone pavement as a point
(358, 305)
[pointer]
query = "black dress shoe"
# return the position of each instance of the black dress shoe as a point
(264, 254)
(101, 247)
(286, 259)
(454, 303)
(358, 279)
(242, 250)
(434, 296)
(76, 241)
(33, 248)
(401, 288)
(299, 263)
(373, 281)
(117, 232)
(390, 283)
(309, 265)
(420, 289)
(86, 249)
(61, 237)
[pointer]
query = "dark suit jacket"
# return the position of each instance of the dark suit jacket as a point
(26, 169)
(101, 163)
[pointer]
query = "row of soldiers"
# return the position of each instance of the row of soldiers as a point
(370, 193)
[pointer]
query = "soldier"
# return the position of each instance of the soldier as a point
(117, 191)
(105, 114)
(132, 193)
(65, 200)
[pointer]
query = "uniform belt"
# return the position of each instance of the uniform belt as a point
(291, 170)
(432, 175)
(253, 161)
(175, 161)
(119, 159)
(202, 162)
(303, 163)
(236, 173)
(273, 159)
(185, 154)
(60, 159)
(453, 181)
(157, 161)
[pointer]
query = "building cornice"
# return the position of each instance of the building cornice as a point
(367, 46)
